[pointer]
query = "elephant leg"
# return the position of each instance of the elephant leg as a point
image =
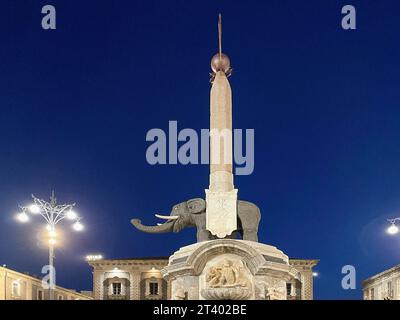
(250, 235)
(249, 217)
(203, 235)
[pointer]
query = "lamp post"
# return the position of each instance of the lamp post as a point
(393, 228)
(52, 213)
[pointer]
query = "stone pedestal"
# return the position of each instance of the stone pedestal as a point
(229, 269)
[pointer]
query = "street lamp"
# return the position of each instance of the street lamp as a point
(393, 228)
(52, 213)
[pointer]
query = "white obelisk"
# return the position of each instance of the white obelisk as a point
(221, 197)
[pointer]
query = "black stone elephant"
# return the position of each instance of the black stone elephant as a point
(192, 213)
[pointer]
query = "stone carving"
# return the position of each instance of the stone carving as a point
(276, 293)
(179, 294)
(227, 274)
(261, 290)
(235, 293)
(192, 213)
(221, 217)
(227, 280)
(271, 290)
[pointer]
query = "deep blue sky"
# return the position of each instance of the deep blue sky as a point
(76, 104)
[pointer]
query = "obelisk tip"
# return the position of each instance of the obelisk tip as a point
(220, 61)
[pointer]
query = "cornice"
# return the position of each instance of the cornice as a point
(382, 275)
(125, 262)
(304, 262)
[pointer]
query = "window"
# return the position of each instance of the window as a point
(16, 289)
(389, 289)
(289, 289)
(372, 294)
(153, 288)
(116, 288)
(40, 295)
(60, 297)
(398, 289)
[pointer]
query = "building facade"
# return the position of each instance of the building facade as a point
(20, 286)
(129, 279)
(383, 286)
(303, 290)
(141, 279)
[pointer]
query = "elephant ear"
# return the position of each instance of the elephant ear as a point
(197, 205)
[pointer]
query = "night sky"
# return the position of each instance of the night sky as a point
(76, 104)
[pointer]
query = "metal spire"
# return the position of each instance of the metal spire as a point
(220, 35)
(220, 61)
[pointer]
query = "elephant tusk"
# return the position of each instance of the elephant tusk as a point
(166, 217)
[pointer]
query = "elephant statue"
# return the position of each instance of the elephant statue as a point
(192, 213)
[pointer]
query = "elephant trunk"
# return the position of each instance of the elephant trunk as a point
(162, 228)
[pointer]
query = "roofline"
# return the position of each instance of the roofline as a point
(297, 259)
(376, 276)
(139, 258)
(128, 259)
(304, 262)
(166, 258)
(309, 262)
(7, 269)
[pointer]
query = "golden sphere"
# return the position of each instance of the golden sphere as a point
(220, 63)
